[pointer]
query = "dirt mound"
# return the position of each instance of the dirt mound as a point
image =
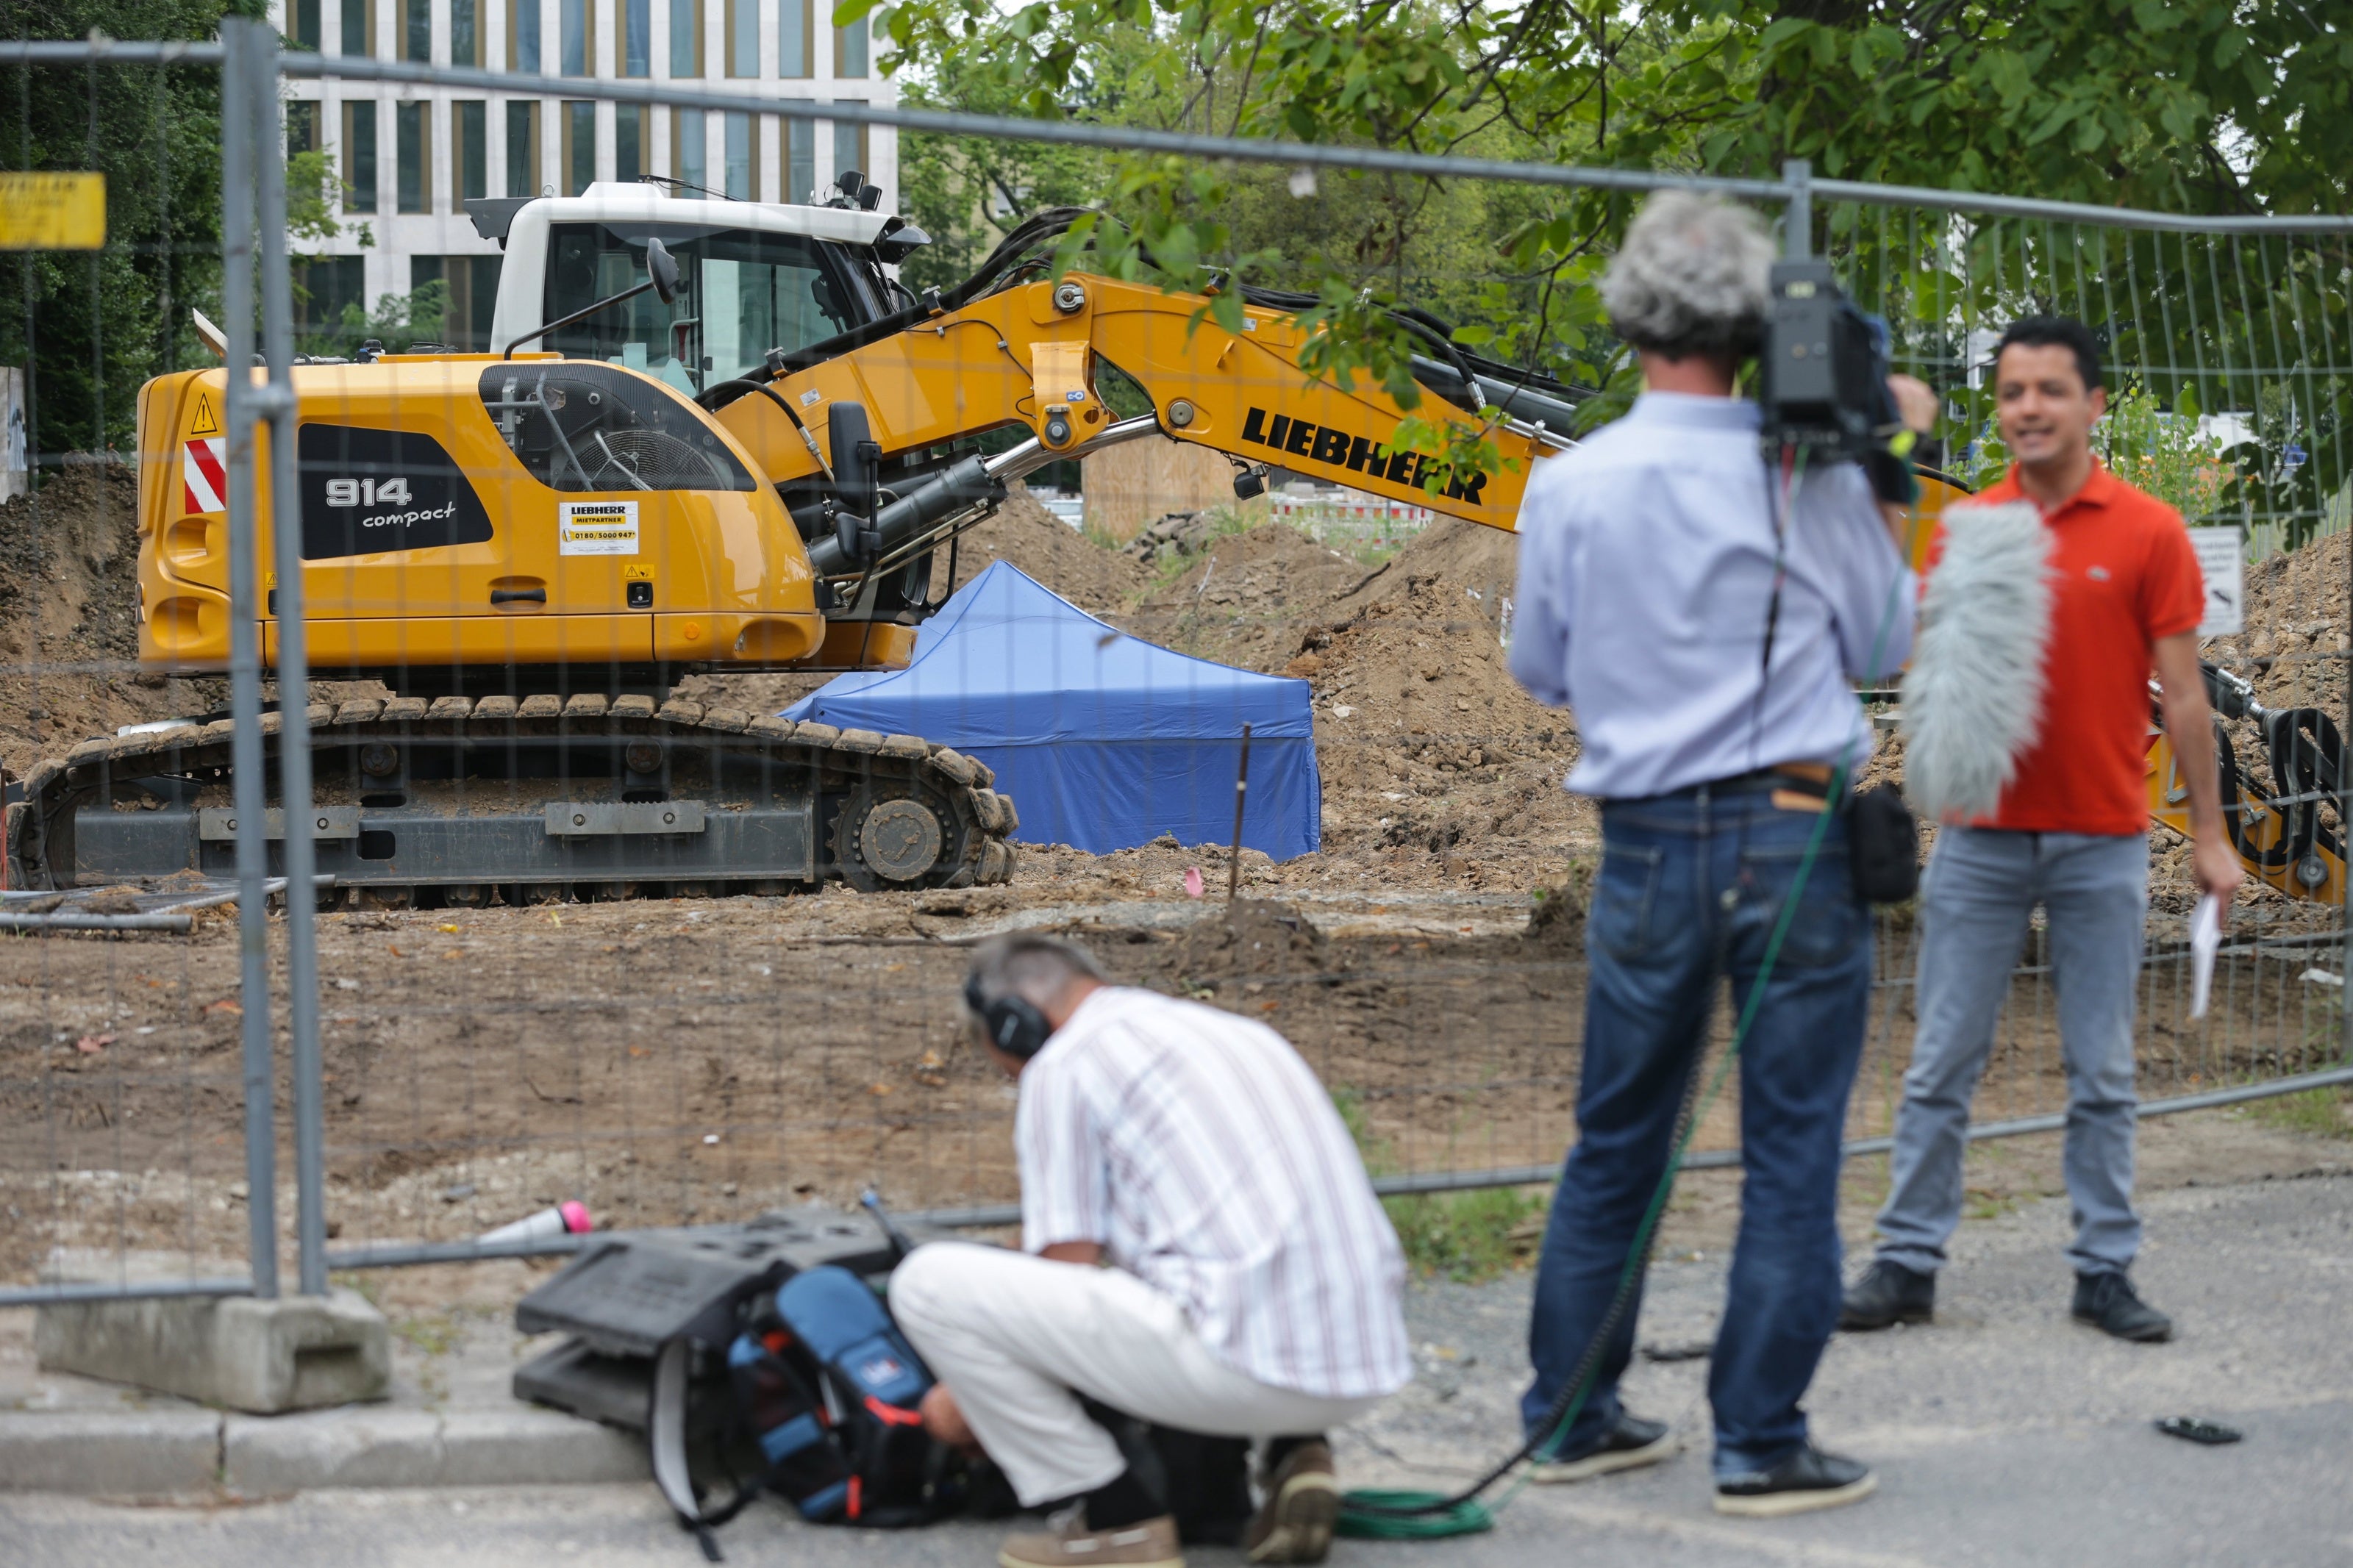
(1251, 937)
(1248, 597)
(1051, 550)
(69, 618)
(2297, 629)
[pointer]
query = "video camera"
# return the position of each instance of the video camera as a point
(1822, 381)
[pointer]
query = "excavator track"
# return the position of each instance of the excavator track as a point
(468, 802)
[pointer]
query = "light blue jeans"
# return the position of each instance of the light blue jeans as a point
(1976, 898)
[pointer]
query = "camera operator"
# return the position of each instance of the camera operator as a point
(1702, 611)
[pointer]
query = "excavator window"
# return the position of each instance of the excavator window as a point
(579, 426)
(743, 293)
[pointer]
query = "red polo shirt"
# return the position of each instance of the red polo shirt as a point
(2124, 576)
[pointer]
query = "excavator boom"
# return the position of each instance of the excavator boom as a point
(1032, 354)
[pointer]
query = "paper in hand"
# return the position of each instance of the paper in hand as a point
(2205, 940)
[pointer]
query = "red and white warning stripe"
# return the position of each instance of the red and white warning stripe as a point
(203, 474)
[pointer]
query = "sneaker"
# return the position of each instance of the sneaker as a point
(1888, 1293)
(1303, 1503)
(1806, 1481)
(1628, 1445)
(1068, 1542)
(2108, 1302)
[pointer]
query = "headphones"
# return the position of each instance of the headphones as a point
(1014, 1024)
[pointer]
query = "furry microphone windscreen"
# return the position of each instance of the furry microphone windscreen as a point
(1973, 697)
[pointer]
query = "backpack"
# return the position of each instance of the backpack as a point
(826, 1394)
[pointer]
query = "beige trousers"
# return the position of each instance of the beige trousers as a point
(1017, 1338)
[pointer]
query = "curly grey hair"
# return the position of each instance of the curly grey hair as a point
(1691, 278)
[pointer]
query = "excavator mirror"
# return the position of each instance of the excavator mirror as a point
(662, 268)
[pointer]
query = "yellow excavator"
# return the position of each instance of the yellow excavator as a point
(754, 470)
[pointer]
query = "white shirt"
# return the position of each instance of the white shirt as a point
(1646, 565)
(1203, 1155)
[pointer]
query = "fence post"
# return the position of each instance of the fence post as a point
(238, 89)
(294, 672)
(1798, 217)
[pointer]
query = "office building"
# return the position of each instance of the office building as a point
(410, 156)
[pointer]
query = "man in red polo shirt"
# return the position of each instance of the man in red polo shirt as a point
(2071, 833)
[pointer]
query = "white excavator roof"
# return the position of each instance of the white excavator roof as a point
(613, 200)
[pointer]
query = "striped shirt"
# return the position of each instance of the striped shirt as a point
(1205, 1158)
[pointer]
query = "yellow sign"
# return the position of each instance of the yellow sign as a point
(52, 212)
(207, 423)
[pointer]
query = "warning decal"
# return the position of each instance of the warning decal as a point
(203, 475)
(207, 423)
(596, 528)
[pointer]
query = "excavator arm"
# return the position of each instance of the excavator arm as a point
(1031, 355)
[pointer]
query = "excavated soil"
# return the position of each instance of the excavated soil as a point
(69, 618)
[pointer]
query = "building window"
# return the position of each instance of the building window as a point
(800, 160)
(522, 37)
(416, 31)
(850, 49)
(469, 286)
(795, 35)
(466, 34)
(686, 37)
(359, 27)
(742, 158)
(359, 156)
(637, 36)
(849, 151)
(301, 127)
(412, 129)
(306, 24)
(578, 21)
(522, 147)
(629, 141)
(323, 286)
(743, 37)
(689, 148)
(579, 145)
(470, 148)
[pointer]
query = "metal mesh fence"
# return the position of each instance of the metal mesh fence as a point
(519, 1003)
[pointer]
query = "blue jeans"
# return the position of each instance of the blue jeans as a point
(1690, 888)
(1976, 902)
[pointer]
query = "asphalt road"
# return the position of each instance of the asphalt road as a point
(2002, 1436)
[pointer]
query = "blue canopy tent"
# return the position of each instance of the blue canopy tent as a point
(1105, 741)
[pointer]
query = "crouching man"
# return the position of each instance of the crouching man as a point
(1252, 1286)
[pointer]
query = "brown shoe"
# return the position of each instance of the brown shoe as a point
(1068, 1543)
(1302, 1503)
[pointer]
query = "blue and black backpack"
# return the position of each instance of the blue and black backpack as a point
(827, 1397)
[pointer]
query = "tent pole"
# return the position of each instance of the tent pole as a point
(1241, 793)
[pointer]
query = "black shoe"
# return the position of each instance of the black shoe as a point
(1806, 1481)
(1630, 1443)
(2109, 1304)
(1888, 1293)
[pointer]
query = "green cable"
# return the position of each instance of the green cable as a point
(1375, 1514)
